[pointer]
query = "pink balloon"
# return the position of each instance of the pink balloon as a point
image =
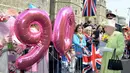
(10, 24)
(24, 35)
(63, 30)
(4, 30)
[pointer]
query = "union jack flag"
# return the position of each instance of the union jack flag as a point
(89, 7)
(68, 57)
(93, 60)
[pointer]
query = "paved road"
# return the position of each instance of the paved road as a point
(126, 66)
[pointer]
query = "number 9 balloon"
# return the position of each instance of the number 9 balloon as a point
(22, 30)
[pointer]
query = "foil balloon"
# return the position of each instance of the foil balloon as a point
(22, 27)
(10, 24)
(63, 30)
(31, 6)
(4, 30)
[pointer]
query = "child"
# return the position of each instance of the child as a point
(64, 63)
(73, 61)
(68, 61)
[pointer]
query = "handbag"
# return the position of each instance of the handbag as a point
(114, 63)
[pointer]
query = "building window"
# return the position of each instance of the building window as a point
(81, 9)
(75, 12)
(95, 20)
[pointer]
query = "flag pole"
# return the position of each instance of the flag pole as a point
(129, 17)
(116, 16)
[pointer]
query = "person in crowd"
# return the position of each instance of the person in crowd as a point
(79, 41)
(4, 56)
(88, 23)
(113, 16)
(115, 41)
(88, 33)
(25, 51)
(126, 32)
(7, 45)
(68, 61)
(65, 60)
(73, 60)
(97, 34)
(54, 60)
(101, 31)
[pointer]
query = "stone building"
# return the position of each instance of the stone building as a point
(101, 11)
(121, 20)
(76, 5)
(20, 5)
(53, 6)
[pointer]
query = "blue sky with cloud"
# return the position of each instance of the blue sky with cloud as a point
(121, 6)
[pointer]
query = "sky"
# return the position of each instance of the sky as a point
(121, 6)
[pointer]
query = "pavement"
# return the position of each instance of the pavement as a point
(126, 66)
(88, 72)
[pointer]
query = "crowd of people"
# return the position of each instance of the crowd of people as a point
(106, 36)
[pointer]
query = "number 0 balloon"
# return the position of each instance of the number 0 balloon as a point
(63, 30)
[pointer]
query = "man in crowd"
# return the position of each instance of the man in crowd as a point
(88, 23)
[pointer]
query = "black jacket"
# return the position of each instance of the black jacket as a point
(118, 27)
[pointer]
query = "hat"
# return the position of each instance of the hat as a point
(88, 28)
(108, 23)
(110, 15)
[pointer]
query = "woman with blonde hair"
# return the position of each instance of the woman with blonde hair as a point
(88, 31)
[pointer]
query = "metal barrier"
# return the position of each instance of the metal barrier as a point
(56, 65)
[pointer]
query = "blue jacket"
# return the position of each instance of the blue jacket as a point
(64, 58)
(77, 47)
